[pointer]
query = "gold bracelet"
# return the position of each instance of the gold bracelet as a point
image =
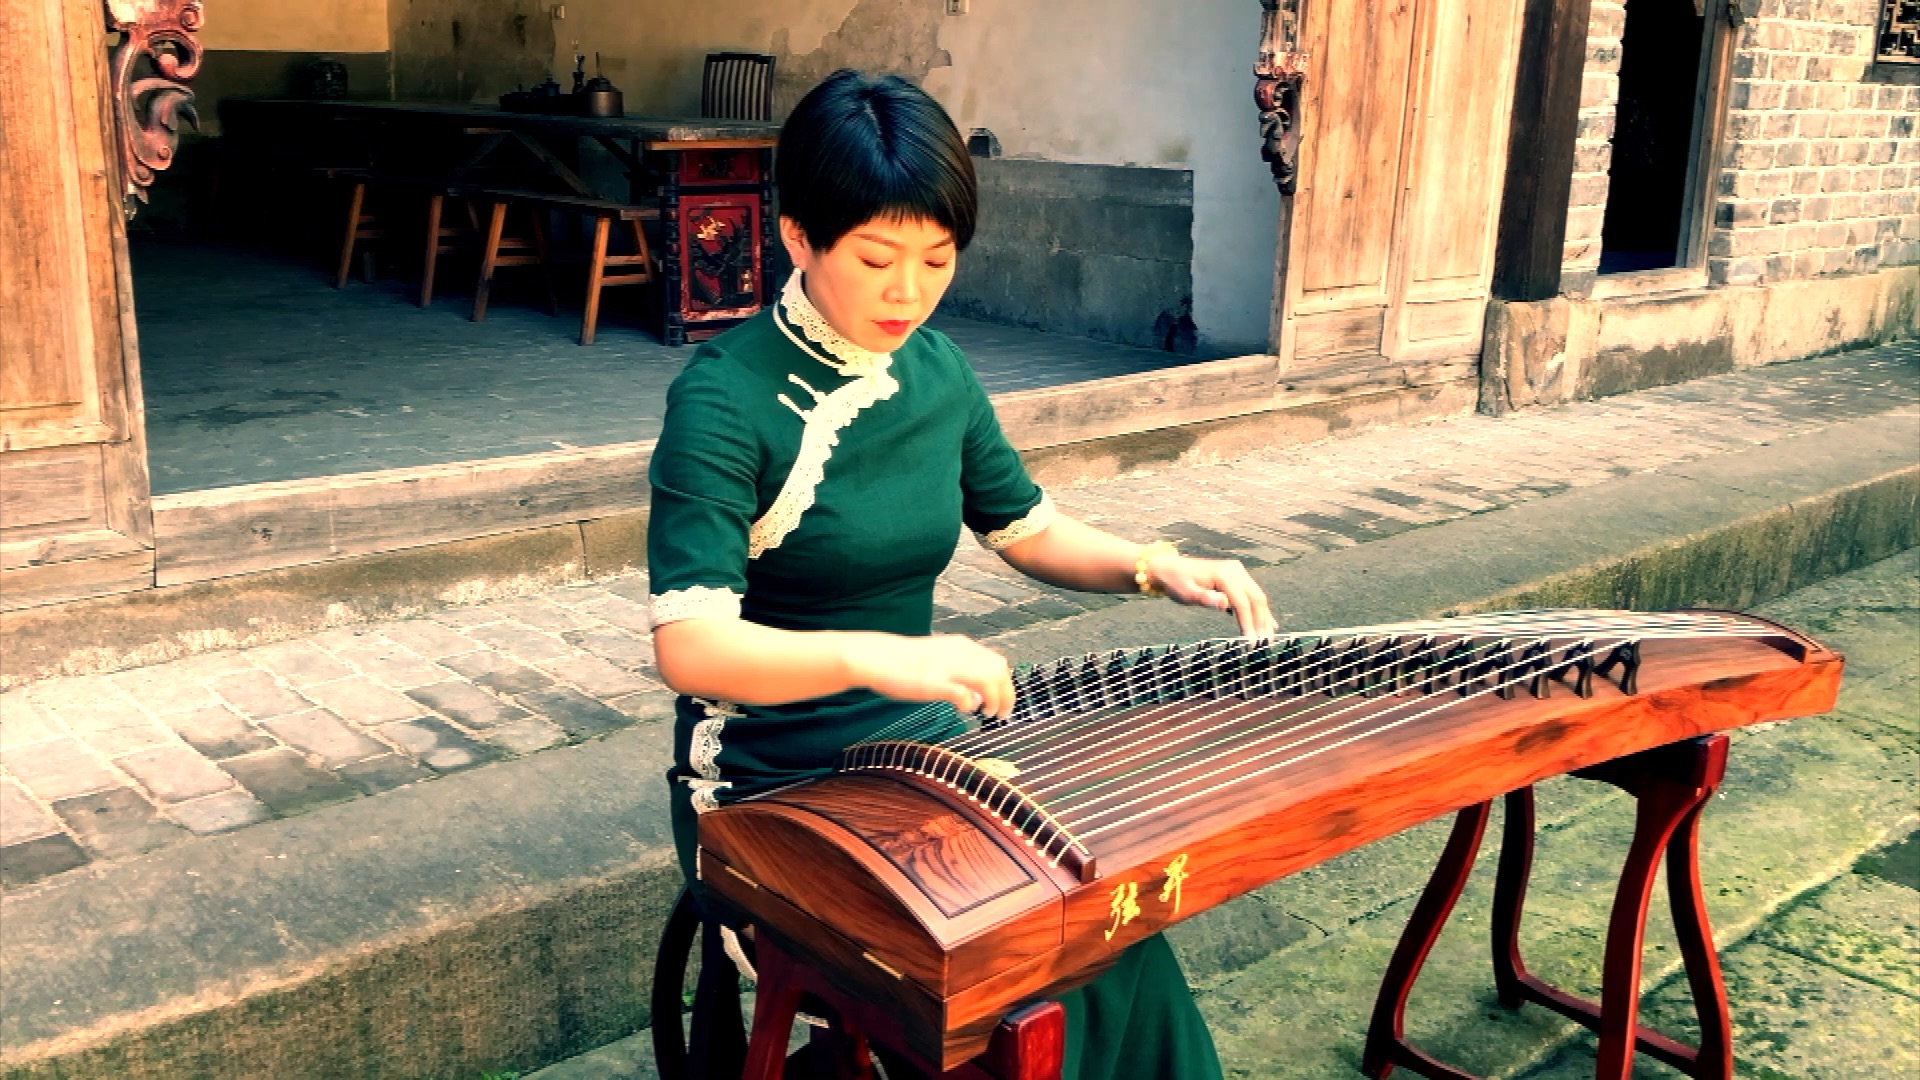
(1148, 552)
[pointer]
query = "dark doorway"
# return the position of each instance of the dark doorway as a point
(1656, 137)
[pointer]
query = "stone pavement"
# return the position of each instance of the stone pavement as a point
(1824, 984)
(101, 767)
(256, 370)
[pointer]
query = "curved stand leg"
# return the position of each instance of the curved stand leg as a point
(1714, 1058)
(1618, 1021)
(1671, 785)
(677, 940)
(1387, 1044)
(1510, 978)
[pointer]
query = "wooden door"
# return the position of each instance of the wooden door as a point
(75, 518)
(1389, 247)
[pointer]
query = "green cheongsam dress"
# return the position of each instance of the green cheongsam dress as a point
(804, 483)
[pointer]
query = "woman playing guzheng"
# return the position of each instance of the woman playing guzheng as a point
(815, 466)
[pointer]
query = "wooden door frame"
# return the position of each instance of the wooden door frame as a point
(1535, 202)
(1709, 134)
(1530, 246)
(73, 436)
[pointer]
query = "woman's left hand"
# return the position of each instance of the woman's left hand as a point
(1221, 584)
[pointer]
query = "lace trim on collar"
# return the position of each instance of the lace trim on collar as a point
(842, 355)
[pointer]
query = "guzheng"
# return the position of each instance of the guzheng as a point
(948, 884)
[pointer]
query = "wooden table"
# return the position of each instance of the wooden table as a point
(715, 180)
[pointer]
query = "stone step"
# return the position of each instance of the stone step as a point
(504, 917)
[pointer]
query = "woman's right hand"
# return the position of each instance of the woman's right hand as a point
(944, 667)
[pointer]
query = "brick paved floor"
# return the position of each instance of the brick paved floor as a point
(102, 766)
(256, 370)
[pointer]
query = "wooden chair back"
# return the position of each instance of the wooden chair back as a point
(737, 86)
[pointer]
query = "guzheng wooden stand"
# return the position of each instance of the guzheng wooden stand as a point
(1671, 785)
(1027, 1045)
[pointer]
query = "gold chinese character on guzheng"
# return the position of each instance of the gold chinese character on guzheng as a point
(1126, 906)
(1176, 877)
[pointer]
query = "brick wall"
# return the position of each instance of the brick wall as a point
(1820, 168)
(1593, 150)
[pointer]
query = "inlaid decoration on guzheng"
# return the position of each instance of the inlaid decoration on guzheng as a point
(1133, 788)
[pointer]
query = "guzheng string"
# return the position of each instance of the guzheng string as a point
(1066, 727)
(1357, 648)
(1690, 623)
(1647, 626)
(1197, 666)
(1305, 713)
(1161, 805)
(1405, 670)
(1326, 708)
(1166, 795)
(1082, 690)
(1057, 760)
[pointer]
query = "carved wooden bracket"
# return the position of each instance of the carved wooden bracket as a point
(1278, 75)
(148, 107)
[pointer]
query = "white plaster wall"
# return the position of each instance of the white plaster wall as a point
(1136, 82)
(1102, 81)
(345, 26)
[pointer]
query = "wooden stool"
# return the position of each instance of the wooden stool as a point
(1027, 1045)
(501, 250)
(444, 239)
(1671, 785)
(361, 223)
(604, 213)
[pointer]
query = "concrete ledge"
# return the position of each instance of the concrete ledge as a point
(503, 917)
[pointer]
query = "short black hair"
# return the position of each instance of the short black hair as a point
(859, 147)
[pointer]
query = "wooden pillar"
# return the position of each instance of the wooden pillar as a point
(75, 518)
(1540, 148)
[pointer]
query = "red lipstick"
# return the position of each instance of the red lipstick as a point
(893, 327)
